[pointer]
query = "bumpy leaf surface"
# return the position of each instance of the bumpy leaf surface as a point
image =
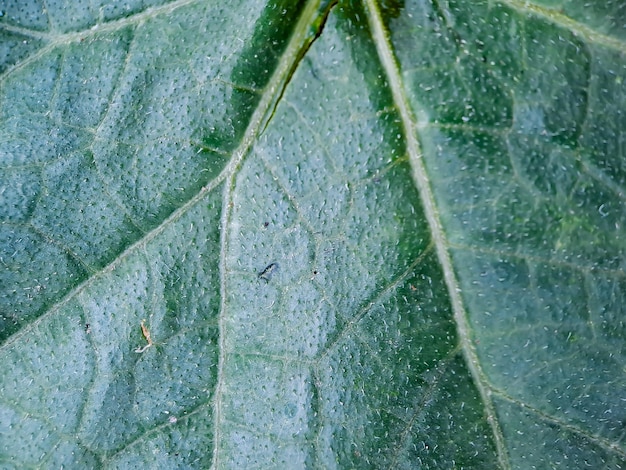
(312, 235)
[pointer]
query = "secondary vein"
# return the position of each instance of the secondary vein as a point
(556, 17)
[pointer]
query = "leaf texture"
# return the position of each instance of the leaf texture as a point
(312, 235)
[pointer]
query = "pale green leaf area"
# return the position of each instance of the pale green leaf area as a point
(312, 235)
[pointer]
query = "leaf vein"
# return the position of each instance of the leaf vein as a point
(420, 176)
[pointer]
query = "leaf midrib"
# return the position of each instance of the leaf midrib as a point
(410, 126)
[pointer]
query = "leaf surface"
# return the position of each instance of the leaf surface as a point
(317, 235)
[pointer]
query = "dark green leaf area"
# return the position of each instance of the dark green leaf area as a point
(177, 105)
(606, 17)
(603, 139)
(256, 59)
(540, 442)
(529, 204)
(542, 328)
(354, 26)
(261, 52)
(122, 395)
(14, 46)
(418, 428)
(535, 183)
(397, 377)
(98, 230)
(488, 67)
(35, 273)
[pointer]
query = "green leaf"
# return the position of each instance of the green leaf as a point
(316, 235)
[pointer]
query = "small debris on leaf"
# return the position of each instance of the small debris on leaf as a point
(146, 334)
(267, 273)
